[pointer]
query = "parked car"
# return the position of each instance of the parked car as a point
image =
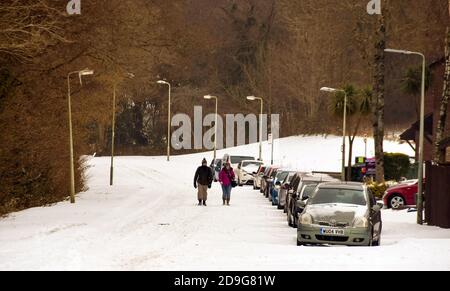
(264, 178)
(244, 171)
(343, 213)
(298, 182)
(235, 160)
(281, 176)
(401, 195)
(268, 184)
(258, 177)
(283, 191)
(216, 166)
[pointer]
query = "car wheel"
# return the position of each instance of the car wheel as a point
(239, 182)
(396, 201)
(295, 221)
(299, 244)
(376, 243)
(289, 218)
(280, 207)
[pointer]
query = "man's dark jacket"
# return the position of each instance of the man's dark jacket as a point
(203, 176)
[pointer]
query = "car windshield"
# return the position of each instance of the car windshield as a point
(281, 176)
(238, 159)
(252, 164)
(291, 176)
(308, 190)
(345, 196)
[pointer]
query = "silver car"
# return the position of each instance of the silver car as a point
(341, 213)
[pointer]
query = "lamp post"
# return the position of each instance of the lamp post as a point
(209, 97)
(113, 130)
(80, 74)
(161, 82)
(253, 98)
(344, 126)
(421, 133)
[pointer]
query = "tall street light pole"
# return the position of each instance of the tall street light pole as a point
(168, 118)
(253, 98)
(209, 97)
(113, 130)
(81, 73)
(344, 126)
(421, 133)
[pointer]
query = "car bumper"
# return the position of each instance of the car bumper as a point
(247, 179)
(353, 236)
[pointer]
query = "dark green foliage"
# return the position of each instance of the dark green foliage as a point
(396, 166)
(412, 82)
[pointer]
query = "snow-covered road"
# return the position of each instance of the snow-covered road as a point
(149, 221)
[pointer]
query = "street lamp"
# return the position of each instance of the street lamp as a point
(161, 82)
(113, 130)
(253, 98)
(85, 72)
(344, 130)
(209, 97)
(421, 133)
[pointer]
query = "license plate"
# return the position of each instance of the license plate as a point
(332, 231)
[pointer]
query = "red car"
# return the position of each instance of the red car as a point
(401, 194)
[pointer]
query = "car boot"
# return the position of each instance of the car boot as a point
(223, 201)
(199, 202)
(204, 202)
(228, 202)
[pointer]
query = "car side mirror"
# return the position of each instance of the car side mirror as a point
(301, 204)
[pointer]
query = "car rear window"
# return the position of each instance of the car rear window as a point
(345, 196)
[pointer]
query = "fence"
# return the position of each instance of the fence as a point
(437, 195)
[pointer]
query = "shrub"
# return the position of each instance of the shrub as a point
(377, 189)
(396, 166)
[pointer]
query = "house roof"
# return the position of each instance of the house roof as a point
(410, 133)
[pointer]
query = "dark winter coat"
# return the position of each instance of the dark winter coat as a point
(203, 176)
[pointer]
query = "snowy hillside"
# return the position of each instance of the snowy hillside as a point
(149, 221)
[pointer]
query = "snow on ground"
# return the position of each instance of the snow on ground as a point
(149, 221)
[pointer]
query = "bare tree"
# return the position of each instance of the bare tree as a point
(444, 102)
(27, 27)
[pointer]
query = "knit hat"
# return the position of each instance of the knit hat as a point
(204, 161)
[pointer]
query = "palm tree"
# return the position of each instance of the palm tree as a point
(412, 83)
(358, 108)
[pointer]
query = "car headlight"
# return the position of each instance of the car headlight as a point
(360, 222)
(305, 219)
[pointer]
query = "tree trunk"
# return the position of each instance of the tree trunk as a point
(444, 103)
(350, 157)
(378, 106)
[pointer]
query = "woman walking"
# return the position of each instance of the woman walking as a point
(226, 179)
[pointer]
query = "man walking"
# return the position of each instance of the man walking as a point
(202, 180)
